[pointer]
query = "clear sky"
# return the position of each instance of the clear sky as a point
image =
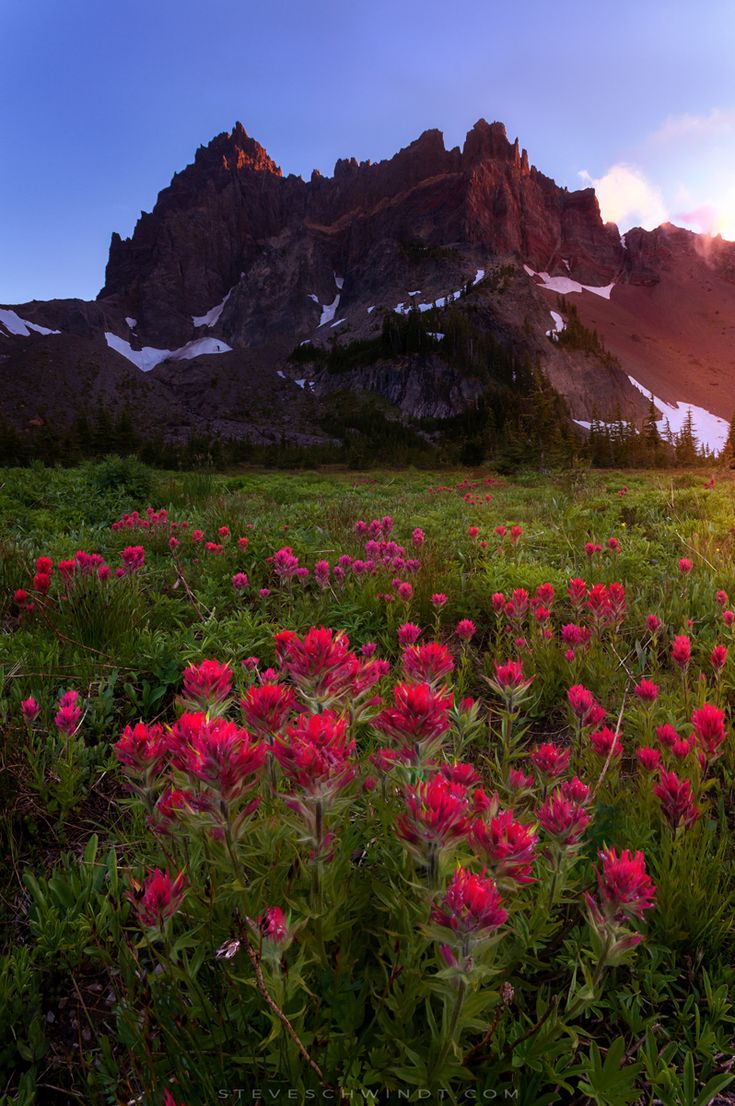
(102, 100)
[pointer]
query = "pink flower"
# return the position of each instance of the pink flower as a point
(625, 888)
(709, 726)
(613, 545)
(720, 597)
(681, 748)
(408, 633)
(42, 583)
(515, 533)
(30, 710)
(321, 573)
(550, 761)
(69, 714)
(584, 705)
(667, 735)
(574, 791)
(217, 753)
(472, 905)
(273, 925)
(242, 543)
(142, 747)
(562, 819)
(685, 566)
(677, 802)
(264, 593)
(728, 617)
(418, 537)
(498, 602)
(500, 531)
(419, 716)
(681, 651)
(438, 600)
(240, 581)
(577, 591)
(718, 657)
(266, 708)
(647, 691)
(157, 899)
(435, 817)
(648, 758)
(133, 557)
(430, 663)
(321, 664)
(207, 683)
(506, 845)
(316, 755)
(465, 629)
(517, 781)
(405, 591)
(653, 623)
(604, 740)
(473, 531)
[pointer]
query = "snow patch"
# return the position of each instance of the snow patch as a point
(479, 275)
(281, 373)
(211, 316)
(149, 356)
(339, 321)
(313, 296)
(559, 325)
(371, 309)
(436, 335)
(132, 323)
(416, 293)
(710, 430)
(565, 286)
(13, 323)
(339, 281)
(564, 261)
(300, 383)
(623, 242)
(329, 310)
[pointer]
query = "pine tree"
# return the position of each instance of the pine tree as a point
(686, 442)
(727, 456)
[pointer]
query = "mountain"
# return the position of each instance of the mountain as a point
(247, 303)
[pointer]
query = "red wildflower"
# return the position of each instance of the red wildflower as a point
(408, 633)
(217, 753)
(718, 657)
(550, 761)
(577, 591)
(41, 583)
(685, 566)
(67, 718)
(465, 629)
(266, 708)
(677, 802)
(653, 623)
(419, 716)
(315, 754)
(207, 683)
(562, 819)
(681, 651)
(133, 557)
(46, 566)
(625, 888)
(30, 710)
(584, 705)
(602, 741)
(322, 664)
(574, 790)
(436, 815)
(647, 691)
(649, 758)
(709, 726)
(431, 662)
(141, 747)
(438, 600)
(507, 846)
(472, 905)
(157, 899)
(667, 735)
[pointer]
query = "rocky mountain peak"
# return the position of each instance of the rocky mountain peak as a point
(236, 150)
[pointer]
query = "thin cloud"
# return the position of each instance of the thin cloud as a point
(689, 126)
(627, 197)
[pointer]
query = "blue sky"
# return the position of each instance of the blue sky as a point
(104, 99)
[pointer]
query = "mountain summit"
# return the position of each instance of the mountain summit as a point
(246, 299)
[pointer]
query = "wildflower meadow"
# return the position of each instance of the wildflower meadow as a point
(395, 787)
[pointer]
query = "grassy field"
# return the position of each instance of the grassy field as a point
(449, 815)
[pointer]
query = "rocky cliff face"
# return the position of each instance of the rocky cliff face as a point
(237, 265)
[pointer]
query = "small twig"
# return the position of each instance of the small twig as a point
(534, 1028)
(611, 751)
(189, 593)
(481, 1045)
(273, 1005)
